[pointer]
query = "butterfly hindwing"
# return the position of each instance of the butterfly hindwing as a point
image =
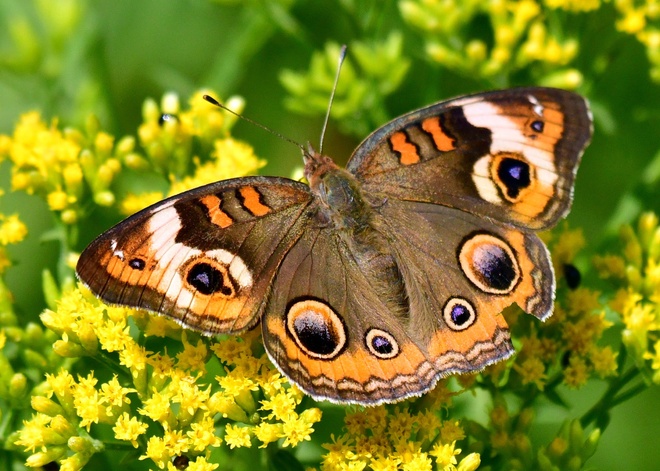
(389, 317)
(340, 335)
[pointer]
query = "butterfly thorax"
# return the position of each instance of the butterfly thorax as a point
(341, 202)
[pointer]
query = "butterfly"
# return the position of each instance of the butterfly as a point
(374, 281)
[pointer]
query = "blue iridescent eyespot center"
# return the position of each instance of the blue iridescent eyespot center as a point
(315, 334)
(381, 344)
(317, 330)
(494, 266)
(207, 279)
(514, 174)
(459, 314)
(489, 262)
(538, 125)
(136, 264)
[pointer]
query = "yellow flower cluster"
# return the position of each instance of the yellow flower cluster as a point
(12, 231)
(174, 394)
(522, 36)
(510, 440)
(62, 166)
(525, 33)
(55, 163)
(637, 272)
(168, 134)
(642, 19)
(400, 438)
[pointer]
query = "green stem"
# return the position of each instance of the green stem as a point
(630, 393)
(123, 446)
(610, 399)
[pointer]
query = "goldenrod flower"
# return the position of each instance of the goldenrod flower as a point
(12, 230)
(129, 428)
(237, 436)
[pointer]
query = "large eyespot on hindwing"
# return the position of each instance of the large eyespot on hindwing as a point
(489, 263)
(317, 330)
(381, 344)
(459, 314)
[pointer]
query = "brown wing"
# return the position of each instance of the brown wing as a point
(381, 316)
(510, 155)
(205, 258)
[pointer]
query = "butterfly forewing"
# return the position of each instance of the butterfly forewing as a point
(510, 155)
(205, 257)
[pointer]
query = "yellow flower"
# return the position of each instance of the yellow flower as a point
(282, 405)
(417, 462)
(131, 204)
(470, 462)
(114, 336)
(57, 200)
(451, 431)
(231, 158)
(603, 361)
(574, 5)
(445, 453)
(227, 407)
(610, 266)
(34, 434)
(88, 402)
(176, 442)
(187, 393)
(400, 425)
(129, 428)
(157, 406)
(134, 357)
(566, 247)
(532, 370)
(231, 348)
(582, 301)
(298, 429)
(200, 464)
(192, 357)
(268, 433)
(114, 394)
(384, 463)
(576, 373)
(236, 436)
(202, 434)
(12, 230)
(157, 451)
(633, 21)
(356, 422)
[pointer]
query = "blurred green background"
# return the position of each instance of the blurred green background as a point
(70, 58)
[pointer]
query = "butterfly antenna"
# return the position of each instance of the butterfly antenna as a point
(342, 56)
(215, 102)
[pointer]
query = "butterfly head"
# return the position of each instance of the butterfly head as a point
(317, 166)
(337, 191)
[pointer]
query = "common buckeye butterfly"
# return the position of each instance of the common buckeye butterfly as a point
(378, 279)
